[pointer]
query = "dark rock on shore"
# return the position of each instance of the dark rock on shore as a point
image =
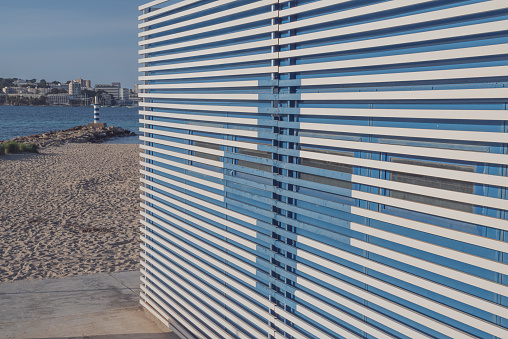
(78, 134)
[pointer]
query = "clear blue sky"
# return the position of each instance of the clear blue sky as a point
(68, 39)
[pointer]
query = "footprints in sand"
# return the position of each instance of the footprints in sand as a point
(70, 210)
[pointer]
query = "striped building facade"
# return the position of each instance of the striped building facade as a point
(325, 168)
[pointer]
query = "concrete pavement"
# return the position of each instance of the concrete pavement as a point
(98, 306)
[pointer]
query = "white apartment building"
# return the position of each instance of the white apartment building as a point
(124, 93)
(74, 88)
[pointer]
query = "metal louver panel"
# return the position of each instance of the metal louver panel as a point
(325, 169)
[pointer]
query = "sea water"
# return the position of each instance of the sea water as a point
(17, 121)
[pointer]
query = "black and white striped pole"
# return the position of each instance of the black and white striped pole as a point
(96, 111)
(96, 123)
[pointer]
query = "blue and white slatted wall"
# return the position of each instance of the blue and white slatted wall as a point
(325, 169)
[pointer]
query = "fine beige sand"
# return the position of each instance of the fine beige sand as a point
(69, 210)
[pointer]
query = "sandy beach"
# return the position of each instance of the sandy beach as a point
(69, 210)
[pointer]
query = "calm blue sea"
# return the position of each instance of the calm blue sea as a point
(26, 120)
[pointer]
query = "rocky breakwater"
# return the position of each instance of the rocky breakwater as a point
(78, 134)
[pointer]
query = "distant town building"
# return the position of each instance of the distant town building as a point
(9, 90)
(58, 99)
(84, 83)
(136, 88)
(43, 91)
(74, 88)
(113, 89)
(21, 82)
(28, 96)
(106, 99)
(124, 93)
(57, 85)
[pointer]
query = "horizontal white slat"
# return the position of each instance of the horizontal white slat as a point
(447, 54)
(408, 113)
(184, 156)
(230, 131)
(218, 271)
(219, 252)
(210, 74)
(480, 178)
(224, 290)
(145, 289)
(200, 312)
(147, 300)
(445, 310)
(162, 318)
(432, 267)
(422, 264)
(289, 330)
(181, 145)
(224, 233)
(470, 259)
(180, 165)
(208, 51)
(224, 142)
(181, 185)
(358, 11)
(201, 96)
(182, 176)
(428, 16)
(231, 84)
(222, 61)
(494, 137)
(175, 6)
(457, 235)
(417, 299)
(201, 18)
(454, 32)
(203, 256)
(207, 107)
(223, 37)
(472, 156)
(365, 311)
(312, 329)
(204, 18)
(195, 294)
(204, 292)
(196, 117)
(432, 192)
(158, 2)
(434, 210)
(371, 297)
(467, 258)
(463, 73)
(220, 26)
(230, 224)
(302, 8)
(469, 238)
(203, 203)
(445, 94)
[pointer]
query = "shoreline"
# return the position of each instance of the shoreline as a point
(78, 134)
(69, 210)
